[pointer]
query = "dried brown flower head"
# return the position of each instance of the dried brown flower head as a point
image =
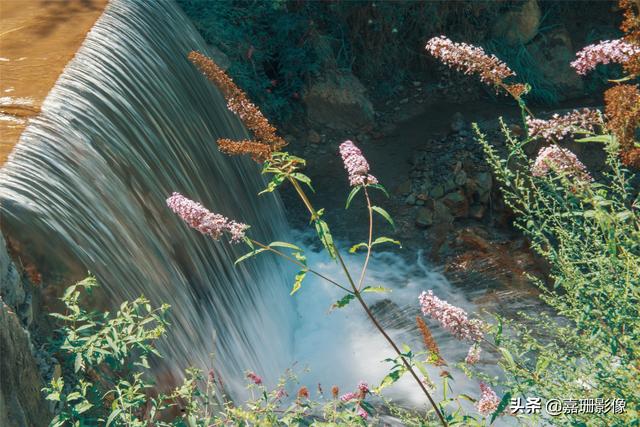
(631, 27)
(335, 391)
(303, 393)
(429, 342)
(622, 109)
(266, 141)
(631, 157)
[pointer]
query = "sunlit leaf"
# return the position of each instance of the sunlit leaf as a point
(344, 301)
(384, 214)
(376, 289)
(386, 240)
(352, 194)
(248, 255)
(297, 284)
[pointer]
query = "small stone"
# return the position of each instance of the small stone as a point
(449, 185)
(314, 137)
(460, 178)
(420, 202)
(411, 199)
(457, 122)
(416, 84)
(404, 100)
(437, 191)
(441, 213)
(424, 218)
(457, 204)
(404, 188)
(476, 211)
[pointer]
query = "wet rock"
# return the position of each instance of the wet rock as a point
(460, 178)
(476, 211)
(519, 25)
(485, 181)
(552, 54)
(404, 101)
(457, 122)
(437, 191)
(457, 204)
(411, 199)
(441, 213)
(314, 137)
(339, 102)
(449, 185)
(424, 217)
(404, 188)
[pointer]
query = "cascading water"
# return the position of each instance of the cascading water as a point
(130, 121)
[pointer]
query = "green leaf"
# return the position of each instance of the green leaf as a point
(599, 138)
(384, 214)
(284, 245)
(352, 194)
(376, 289)
(381, 188)
(304, 179)
(344, 301)
(78, 363)
(274, 183)
(386, 240)
(501, 406)
(83, 407)
(322, 229)
(248, 255)
(353, 249)
(298, 282)
(113, 416)
(507, 356)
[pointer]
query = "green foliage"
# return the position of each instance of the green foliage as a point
(590, 235)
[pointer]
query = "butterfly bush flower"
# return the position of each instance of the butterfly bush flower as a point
(356, 165)
(617, 51)
(205, 221)
(558, 127)
(488, 402)
(559, 160)
(469, 59)
(473, 356)
(255, 378)
(348, 397)
(361, 413)
(452, 318)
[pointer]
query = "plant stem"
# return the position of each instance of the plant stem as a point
(298, 263)
(356, 293)
(366, 260)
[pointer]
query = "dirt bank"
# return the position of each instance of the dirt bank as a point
(37, 40)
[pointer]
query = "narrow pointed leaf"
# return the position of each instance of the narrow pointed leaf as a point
(352, 194)
(384, 214)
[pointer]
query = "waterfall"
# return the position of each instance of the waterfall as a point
(129, 121)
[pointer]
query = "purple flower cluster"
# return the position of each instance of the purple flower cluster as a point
(206, 222)
(450, 317)
(489, 401)
(557, 127)
(356, 165)
(255, 378)
(617, 51)
(469, 59)
(473, 356)
(348, 396)
(559, 160)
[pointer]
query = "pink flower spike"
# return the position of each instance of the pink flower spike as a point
(363, 387)
(608, 51)
(473, 356)
(205, 221)
(452, 318)
(558, 127)
(356, 165)
(362, 413)
(348, 397)
(255, 378)
(489, 401)
(559, 160)
(469, 59)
